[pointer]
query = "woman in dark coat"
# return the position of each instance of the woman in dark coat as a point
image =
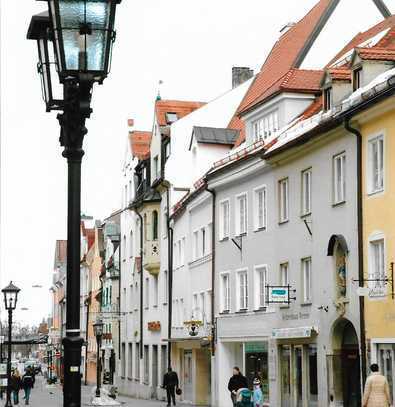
(15, 384)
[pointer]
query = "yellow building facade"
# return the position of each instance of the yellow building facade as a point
(377, 127)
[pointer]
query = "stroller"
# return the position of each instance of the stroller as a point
(244, 397)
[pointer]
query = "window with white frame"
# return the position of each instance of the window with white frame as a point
(182, 311)
(377, 267)
(195, 251)
(283, 192)
(203, 242)
(241, 214)
(208, 306)
(165, 286)
(375, 164)
(146, 294)
(242, 290)
(261, 276)
(202, 306)
(306, 191)
(260, 208)
(225, 292)
(164, 222)
(224, 221)
(265, 126)
(307, 280)
(284, 274)
(155, 284)
(209, 237)
(195, 306)
(339, 178)
(183, 251)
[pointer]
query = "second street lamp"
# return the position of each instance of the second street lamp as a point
(98, 330)
(10, 299)
(81, 34)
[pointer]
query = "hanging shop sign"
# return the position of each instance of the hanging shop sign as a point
(277, 294)
(294, 333)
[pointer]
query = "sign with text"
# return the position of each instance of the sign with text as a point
(278, 294)
(294, 333)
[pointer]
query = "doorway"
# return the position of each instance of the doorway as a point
(346, 371)
(155, 370)
(188, 376)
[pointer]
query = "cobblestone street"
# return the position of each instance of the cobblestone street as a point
(51, 396)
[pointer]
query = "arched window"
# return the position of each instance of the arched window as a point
(154, 225)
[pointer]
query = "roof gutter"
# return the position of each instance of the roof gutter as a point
(358, 135)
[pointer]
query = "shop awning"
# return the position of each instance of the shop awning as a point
(294, 333)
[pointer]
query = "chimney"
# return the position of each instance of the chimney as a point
(241, 74)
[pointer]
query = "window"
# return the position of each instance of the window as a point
(166, 286)
(339, 178)
(156, 291)
(209, 240)
(182, 251)
(167, 149)
(224, 208)
(123, 361)
(376, 164)
(146, 364)
(242, 290)
(241, 214)
(283, 200)
(137, 362)
(306, 192)
(203, 237)
(208, 307)
(164, 222)
(146, 293)
(171, 117)
(156, 168)
(306, 277)
(284, 274)
(154, 225)
(377, 268)
(327, 99)
(265, 127)
(131, 249)
(260, 287)
(202, 307)
(357, 78)
(195, 305)
(225, 292)
(195, 253)
(260, 208)
(136, 296)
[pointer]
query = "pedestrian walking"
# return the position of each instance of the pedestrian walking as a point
(170, 383)
(236, 382)
(15, 385)
(27, 384)
(257, 396)
(377, 393)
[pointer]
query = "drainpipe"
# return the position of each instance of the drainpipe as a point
(213, 333)
(141, 284)
(170, 276)
(355, 131)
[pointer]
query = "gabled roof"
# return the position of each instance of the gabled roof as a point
(180, 107)
(287, 53)
(212, 135)
(376, 54)
(340, 74)
(367, 39)
(140, 143)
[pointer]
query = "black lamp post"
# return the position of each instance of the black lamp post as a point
(10, 299)
(98, 330)
(79, 34)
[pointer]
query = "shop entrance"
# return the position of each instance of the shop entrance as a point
(298, 369)
(256, 365)
(346, 365)
(188, 376)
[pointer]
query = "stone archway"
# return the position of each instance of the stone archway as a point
(346, 374)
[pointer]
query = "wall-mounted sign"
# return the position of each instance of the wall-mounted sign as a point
(279, 294)
(154, 326)
(293, 333)
(107, 336)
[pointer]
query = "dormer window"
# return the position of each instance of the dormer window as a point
(328, 99)
(265, 126)
(171, 117)
(357, 78)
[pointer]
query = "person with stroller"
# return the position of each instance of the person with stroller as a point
(237, 382)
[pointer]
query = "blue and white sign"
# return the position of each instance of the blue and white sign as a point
(279, 295)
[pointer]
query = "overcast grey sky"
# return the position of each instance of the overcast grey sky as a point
(190, 45)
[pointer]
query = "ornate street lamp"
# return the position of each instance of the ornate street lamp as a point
(98, 331)
(10, 299)
(79, 34)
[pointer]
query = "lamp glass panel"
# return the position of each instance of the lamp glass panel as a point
(98, 13)
(71, 13)
(96, 50)
(73, 46)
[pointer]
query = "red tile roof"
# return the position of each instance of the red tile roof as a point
(341, 74)
(181, 108)
(365, 36)
(378, 54)
(140, 143)
(302, 80)
(283, 56)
